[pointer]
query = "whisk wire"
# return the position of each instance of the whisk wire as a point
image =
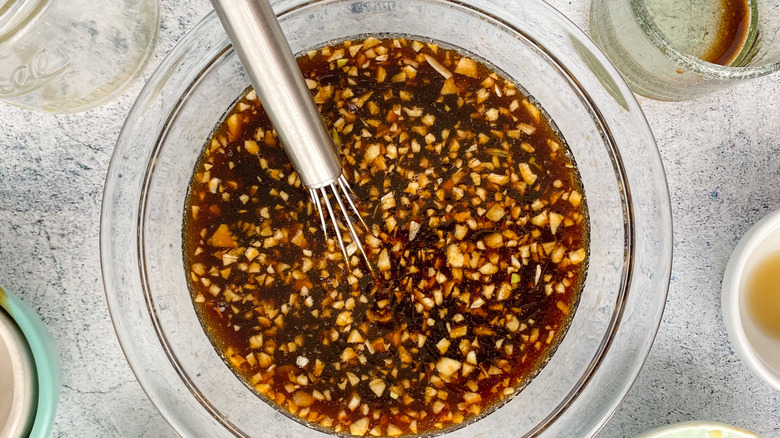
(335, 223)
(339, 188)
(348, 193)
(352, 232)
(316, 200)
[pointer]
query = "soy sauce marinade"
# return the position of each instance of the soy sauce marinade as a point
(478, 231)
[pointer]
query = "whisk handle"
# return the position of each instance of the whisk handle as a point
(263, 49)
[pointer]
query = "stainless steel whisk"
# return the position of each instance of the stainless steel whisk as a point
(262, 47)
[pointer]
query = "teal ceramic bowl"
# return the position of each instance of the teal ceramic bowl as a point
(44, 355)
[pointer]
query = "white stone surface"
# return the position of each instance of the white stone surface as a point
(722, 157)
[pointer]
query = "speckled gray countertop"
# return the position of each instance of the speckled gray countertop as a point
(722, 157)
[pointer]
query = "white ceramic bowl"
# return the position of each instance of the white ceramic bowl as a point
(759, 351)
(698, 429)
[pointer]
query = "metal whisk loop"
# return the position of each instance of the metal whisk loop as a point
(315, 198)
(334, 221)
(340, 188)
(352, 232)
(348, 193)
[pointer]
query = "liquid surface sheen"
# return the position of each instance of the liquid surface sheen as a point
(477, 232)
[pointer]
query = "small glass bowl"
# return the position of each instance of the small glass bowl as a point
(631, 232)
(657, 68)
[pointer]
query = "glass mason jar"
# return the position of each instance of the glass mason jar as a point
(656, 44)
(68, 56)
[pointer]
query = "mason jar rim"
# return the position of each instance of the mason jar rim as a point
(17, 15)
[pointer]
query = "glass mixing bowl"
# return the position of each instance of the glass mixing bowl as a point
(630, 255)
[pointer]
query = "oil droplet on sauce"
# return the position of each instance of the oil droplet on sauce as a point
(763, 294)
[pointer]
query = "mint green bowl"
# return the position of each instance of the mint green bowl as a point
(44, 353)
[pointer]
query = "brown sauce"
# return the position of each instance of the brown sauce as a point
(732, 33)
(478, 233)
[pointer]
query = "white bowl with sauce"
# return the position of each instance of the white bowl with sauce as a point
(748, 299)
(698, 429)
